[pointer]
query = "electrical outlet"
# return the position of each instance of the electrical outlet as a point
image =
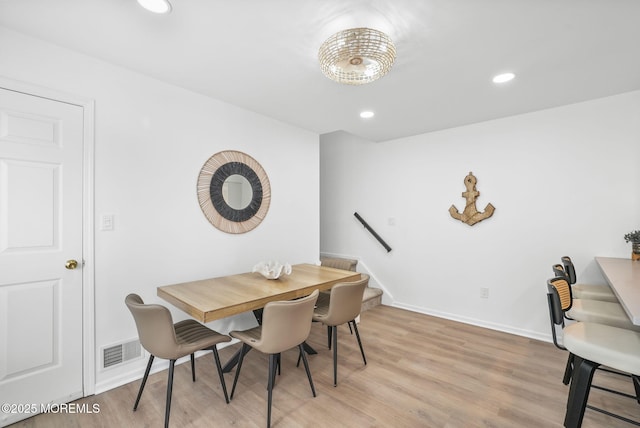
(484, 293)
(106, 222)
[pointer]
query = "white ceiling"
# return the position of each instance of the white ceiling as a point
(262, 54)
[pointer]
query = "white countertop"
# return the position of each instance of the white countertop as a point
(623, 275)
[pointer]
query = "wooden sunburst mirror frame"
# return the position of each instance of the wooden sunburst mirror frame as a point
(212, 176)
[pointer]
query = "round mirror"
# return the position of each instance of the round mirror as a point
(237, 191)
(233, 191)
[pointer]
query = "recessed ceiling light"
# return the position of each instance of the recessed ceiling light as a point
(503, 78)
(156, 6)
(367, 114)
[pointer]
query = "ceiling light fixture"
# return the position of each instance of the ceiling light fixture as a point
(367, 114)
(156, 6)
(503, 78)
(357, 56)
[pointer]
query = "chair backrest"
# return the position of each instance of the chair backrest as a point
(286, 324)
(346, 301)
(155, 327)
(339, 263)
(569, 269)
(558, 271)
(559, 300)
(560, 287)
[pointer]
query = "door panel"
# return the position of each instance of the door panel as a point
(41, 143)
(31, 190)
(40, 354)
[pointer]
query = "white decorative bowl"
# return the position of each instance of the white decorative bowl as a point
(272, 270)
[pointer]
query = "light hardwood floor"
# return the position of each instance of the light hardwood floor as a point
(422, 372)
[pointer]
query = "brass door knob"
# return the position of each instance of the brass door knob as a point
(71, 264)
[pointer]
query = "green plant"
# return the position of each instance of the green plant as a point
(633, 237)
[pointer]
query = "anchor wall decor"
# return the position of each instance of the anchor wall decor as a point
(471, 215)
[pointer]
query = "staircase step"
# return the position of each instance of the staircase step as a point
(339, 263)
(372, 297)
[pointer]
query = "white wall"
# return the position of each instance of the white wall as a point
(564, 181)
(151, 139)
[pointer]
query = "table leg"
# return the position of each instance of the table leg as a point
(233, 361)
(308, 348)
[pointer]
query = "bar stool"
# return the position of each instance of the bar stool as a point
(586, 291)
(562, 307)
(593, 345)
(587, 310)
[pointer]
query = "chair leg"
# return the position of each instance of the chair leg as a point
(329, 330)
(306, 367)
(216, 358)
(636, 385)
(275, 369)
(144, 381)
(193, 368)
(579, 391)
(568, 370)
(167, 411)
(272, 373)
(355, 327)
(240, 358)
(334, 333)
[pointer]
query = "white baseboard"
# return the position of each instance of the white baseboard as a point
(479, 323)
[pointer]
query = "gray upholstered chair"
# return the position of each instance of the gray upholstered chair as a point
(586, 291)
(285, 325)
(342, 306)
(164, 339)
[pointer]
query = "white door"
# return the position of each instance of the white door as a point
(41, 143)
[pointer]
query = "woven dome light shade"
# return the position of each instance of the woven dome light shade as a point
(357, 56)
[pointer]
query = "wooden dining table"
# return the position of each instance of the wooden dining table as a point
(623, 276)
(210, 299)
